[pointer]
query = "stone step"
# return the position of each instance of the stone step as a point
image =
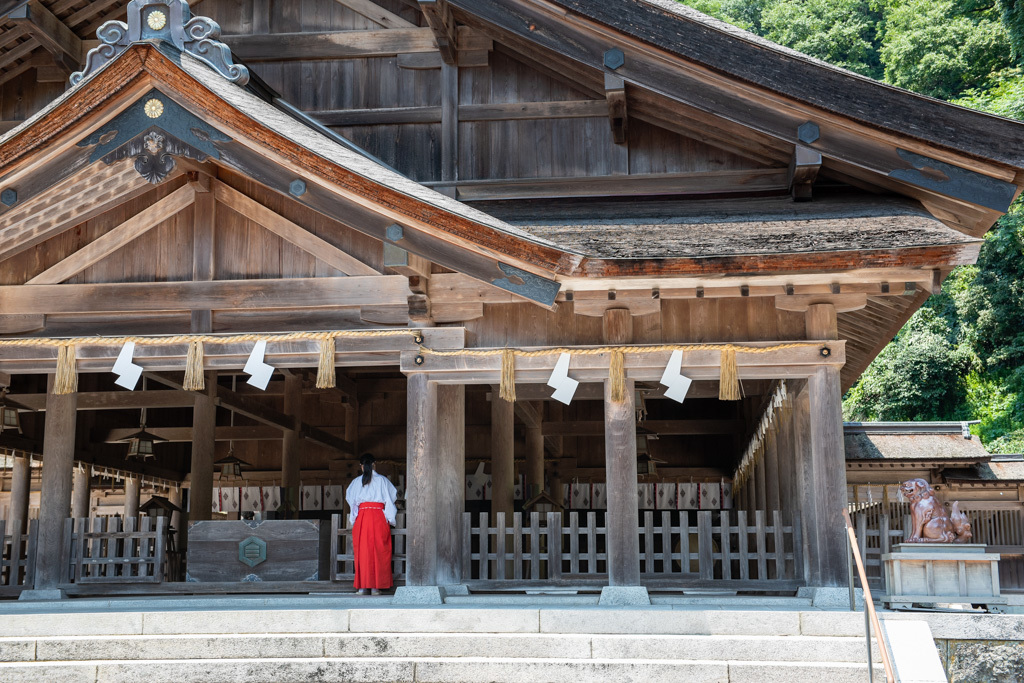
(433, 645)
(436, 670)
(657, 620)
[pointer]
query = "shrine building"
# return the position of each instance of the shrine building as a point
(589, 278)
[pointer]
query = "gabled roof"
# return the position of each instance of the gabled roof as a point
(689, 73)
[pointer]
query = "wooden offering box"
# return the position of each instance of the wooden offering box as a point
(941, 573)
(272, 550)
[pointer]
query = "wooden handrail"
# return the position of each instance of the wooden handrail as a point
(869, 604)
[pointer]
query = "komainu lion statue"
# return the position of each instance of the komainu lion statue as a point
(928, 519)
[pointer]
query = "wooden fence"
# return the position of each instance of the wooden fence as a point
(1001, 530)
(112, 550)
(734, 549)
(17, 559)
(343, 561)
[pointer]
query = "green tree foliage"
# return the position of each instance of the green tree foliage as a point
(841, 32)
(962, 355)
(941, 47)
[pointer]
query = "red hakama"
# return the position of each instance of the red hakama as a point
(371, 542)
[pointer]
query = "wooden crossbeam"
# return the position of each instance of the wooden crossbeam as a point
(288, 293)
(131, 229)
(442, 23)
(52, 34)
(376, 13)
(184, 434)
(115, 400)
(796, 362)
(331, 44)
(291, 232)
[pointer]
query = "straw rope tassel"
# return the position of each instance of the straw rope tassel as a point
(194, 379)
(729, 381)
(325, 376)
(507, 390)
(66, 379)
(617, 375)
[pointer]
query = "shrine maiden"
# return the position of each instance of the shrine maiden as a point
(371, 498)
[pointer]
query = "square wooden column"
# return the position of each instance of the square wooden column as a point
(823, 467)
(421, 482)
(291, 447)
(503, 445)
(204, 444)
(451, 481)
(622, 520)
(55, 499)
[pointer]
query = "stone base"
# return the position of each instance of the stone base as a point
(43, 594)
(456, 589)
(832, 597)
(419, 595)
(624, 596)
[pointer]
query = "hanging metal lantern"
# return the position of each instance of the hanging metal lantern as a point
(231, 467)
(141, 445)
(9, 419)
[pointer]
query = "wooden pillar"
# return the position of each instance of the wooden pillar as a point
(534, 479)
(204, 444)
(203, 263)
(451, 481)
(55, 499)
(291, 447)
(623, 501)
(132, 496)
(502, 455)
(176, 520)
(785, 448)
(421, 482)
(824, 477)
(759, 484)
(771, 469)
(80, 492)
(21, 487)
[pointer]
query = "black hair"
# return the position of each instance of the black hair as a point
(367, 461)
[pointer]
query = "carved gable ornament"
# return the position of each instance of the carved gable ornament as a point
(168, 21)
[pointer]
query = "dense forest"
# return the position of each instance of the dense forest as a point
(961, 357)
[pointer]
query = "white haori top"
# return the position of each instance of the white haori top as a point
(379, 490)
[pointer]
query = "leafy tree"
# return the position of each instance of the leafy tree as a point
(942, 48)
(841, 32)
(745, 14)
(1013, 17)
(919, 376)
(1004, 98)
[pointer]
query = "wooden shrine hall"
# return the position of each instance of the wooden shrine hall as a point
(588, 277)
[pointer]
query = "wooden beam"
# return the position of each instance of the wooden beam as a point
(115, 239)
(52, 34)
(502, 111)
(291, 232)
(618, 114)
(442, 23)
(287, 293)
(184, 434)
(331, 44)
(114, 400)
(376, 13)
(843, 303)
(763, 180)
(784, 363)
(803, 171)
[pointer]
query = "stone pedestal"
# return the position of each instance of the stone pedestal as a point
(941, 573)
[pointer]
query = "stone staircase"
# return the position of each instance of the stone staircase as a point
(336, 642)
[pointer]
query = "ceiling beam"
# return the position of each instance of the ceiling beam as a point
(376, 13)
(285, 293)
(52, 34)
(442, 23)
(660, 427)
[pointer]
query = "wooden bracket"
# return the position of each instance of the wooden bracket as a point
(618, 116)
(803, 171)
(439, 18)
(52, 34)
